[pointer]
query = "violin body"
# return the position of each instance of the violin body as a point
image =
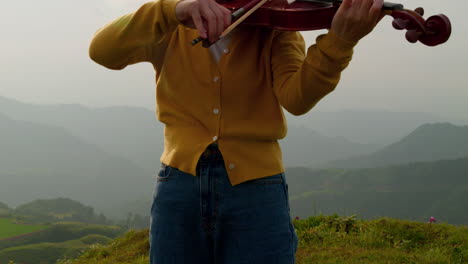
(307, 15)
(297, 16)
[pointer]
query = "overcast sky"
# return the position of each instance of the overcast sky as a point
(44, 53)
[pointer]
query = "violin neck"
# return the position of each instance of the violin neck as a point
(392, 6)
(386, 5)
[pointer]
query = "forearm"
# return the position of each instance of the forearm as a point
(130, 38)
(307, 82)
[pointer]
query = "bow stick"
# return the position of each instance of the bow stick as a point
(240, 12)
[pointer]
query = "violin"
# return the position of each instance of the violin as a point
(303, 15)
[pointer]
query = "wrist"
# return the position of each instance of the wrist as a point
(341, 41)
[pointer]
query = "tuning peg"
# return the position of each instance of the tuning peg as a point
(420, 11)
(413, 35)
(400, 23)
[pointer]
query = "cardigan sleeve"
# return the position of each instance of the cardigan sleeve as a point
(300, 80)
(135, 37)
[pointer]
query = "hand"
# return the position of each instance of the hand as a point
(209, 17)
(357, 18)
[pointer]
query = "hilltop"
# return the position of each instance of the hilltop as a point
(326, 240)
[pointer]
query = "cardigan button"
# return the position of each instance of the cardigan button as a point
(216, 79)
(226, 51)
(232, 166)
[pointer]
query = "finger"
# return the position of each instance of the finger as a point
(346, 4)
(345, 9)
(219, 20)
(197, 20)
(375, 12)
(210, 18)
(223, 17)
(227, 16)
(356, 5)
(366, 5)
(362, 13)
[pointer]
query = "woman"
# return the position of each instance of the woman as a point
(221, 195)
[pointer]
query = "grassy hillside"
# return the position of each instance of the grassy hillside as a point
(414, 192)
(327, 240)
(49, 253)
(57, 210)
(61, 232)
(8, 228)
(58, 240)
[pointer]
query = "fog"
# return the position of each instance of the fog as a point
(45, 60)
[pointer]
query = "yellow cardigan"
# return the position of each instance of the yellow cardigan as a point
(236, 102)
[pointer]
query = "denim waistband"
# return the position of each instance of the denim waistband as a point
(211, 153)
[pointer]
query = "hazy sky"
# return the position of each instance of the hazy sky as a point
(44, 52)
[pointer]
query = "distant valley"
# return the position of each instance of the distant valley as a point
(415, 191)
(107, 157)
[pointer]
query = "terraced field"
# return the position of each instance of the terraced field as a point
(9, 229)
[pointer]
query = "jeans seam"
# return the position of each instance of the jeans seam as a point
(291, 227)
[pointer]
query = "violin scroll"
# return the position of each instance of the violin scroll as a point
(431, 32)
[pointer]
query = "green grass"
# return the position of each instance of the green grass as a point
(9, 229)
(329, 240)
(332, 239)
(131, 248)
(58, 240)
(61, 232)
(48, 253)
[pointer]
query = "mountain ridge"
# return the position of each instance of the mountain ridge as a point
(428, 142)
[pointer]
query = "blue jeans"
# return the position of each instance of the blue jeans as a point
(205, 220)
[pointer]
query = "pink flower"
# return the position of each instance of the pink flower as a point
(297, 218)
(432, 220)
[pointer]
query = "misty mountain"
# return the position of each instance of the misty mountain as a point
(42, 161)
(429, 142)
(415, 191)
(135, 133)
(106, 157)
(305, 147)
(365, 126)
(130, 132)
